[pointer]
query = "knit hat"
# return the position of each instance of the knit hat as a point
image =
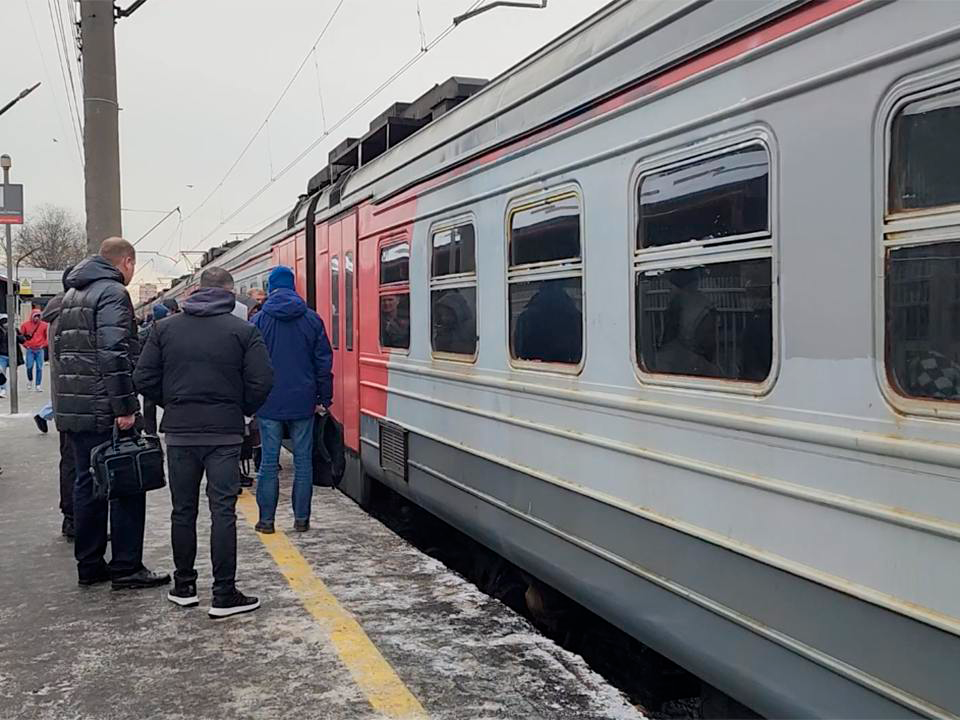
(160, 311)
(171, 304)
(280, 277)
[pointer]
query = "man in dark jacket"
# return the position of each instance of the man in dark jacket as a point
(159, 312)
(96, 348)
(207, 369)
(68, 465)
(302, 363)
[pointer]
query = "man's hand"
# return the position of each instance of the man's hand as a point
(126, 422)
(320, 410)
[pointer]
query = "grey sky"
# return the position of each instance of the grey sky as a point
(197, 77)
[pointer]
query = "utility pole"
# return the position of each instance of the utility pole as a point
(101, 136)
(12, 324)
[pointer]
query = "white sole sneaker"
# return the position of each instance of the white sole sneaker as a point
(220, 613)
(192, 601)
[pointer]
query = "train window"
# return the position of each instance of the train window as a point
(348, 299)
(715, 198)
(922, 266)
(545, 280)
(335, 301)
(395, 296)
(395, 263)
(706, 310)
(453, 291)
(924, 155)
(454, 251)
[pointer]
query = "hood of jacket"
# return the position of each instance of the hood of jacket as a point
(284, 304)
(91, 269)
(209, 301)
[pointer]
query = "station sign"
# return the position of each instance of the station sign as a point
(11, 204)
(26, 286)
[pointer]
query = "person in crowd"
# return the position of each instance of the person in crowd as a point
(96, 349)
(4, 351)
(159, 312)
(303, 386)
(240, 309)
(34, 332)
(207, 369)
(68, 470)
(172, 305)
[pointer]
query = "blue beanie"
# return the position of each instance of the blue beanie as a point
(160, 311)
(280, 277)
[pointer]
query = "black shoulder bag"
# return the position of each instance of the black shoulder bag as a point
(129, 464)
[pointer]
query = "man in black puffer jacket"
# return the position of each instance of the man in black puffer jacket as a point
(96, 349)
(207, 369)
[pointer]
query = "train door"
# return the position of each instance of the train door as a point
(349, 364)
(335, 326)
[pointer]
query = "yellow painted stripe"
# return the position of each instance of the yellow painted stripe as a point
(370, 670)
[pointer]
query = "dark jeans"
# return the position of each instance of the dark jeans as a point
(127, 516)
(68, 472)
(149, 417)
(187, 465)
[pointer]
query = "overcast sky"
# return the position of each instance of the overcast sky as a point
(198, 77)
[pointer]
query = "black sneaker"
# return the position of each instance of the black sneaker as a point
(67, 530)
(245, 481)
(234, 605)
(301, 525)
(264, 527)
(184, 595)
(141, 580)
(41, 423)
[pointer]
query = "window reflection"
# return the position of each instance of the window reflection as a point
(395, 263)
(546, 232)
(454, 314)
(923, 320)
(454, 251)
(546, 320)
(707, 321)
(335, 301)
(721, 196)
(395, 320)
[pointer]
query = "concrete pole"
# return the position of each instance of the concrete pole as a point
(12, 324)
(101, 135)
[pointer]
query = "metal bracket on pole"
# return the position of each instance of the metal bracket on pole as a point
(500, 3)
(121, 13)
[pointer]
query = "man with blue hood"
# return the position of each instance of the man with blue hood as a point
(303, 387)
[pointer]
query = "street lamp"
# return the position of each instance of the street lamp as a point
(6, 163)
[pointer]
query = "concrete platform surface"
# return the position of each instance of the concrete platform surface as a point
(355, 623)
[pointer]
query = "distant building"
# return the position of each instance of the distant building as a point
(148, 291)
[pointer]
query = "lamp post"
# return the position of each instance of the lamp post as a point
(6, 163)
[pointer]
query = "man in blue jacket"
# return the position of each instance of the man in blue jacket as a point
(302, 387)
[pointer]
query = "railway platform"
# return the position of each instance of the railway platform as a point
(354, 624)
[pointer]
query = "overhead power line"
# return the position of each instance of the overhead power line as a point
(273, 109)
(404, 68)
(63, 60)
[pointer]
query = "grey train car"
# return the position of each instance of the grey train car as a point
(669, 316)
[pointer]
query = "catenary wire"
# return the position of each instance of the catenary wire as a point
(346, 118)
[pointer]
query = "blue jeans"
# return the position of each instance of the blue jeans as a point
(34, 357)
(46, 412)
(268, 482)
(4, 365)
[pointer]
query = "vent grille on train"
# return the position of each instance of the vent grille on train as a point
(393, 449)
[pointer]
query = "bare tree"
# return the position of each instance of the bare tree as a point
(52, 238)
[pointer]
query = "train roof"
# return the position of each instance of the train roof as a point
(623, 41)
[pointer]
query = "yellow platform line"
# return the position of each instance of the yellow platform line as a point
(370, 670)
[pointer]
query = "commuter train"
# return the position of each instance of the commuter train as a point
(668, 315)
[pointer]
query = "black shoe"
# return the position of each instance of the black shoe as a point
(41, 423)
(234, 605)
(141, 580)
(301, 525)
(67, 530)
(246, 481)
(184, 595)
(265, 528)
(99, 577)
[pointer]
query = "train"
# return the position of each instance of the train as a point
(668, 315)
